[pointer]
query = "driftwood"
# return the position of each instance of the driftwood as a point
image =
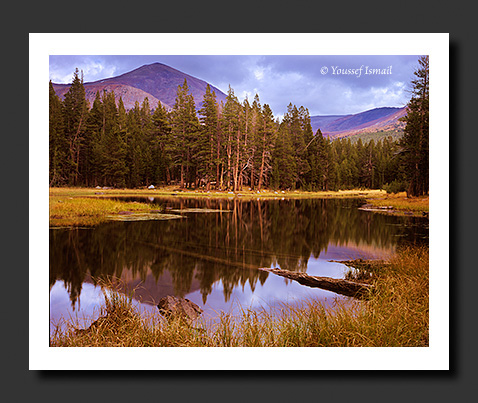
(339, 286)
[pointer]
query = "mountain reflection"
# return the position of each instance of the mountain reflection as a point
(183, 255)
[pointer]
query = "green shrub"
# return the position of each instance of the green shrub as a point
(395, 187)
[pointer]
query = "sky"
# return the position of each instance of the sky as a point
(325, 85)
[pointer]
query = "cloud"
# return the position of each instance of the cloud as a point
(93, 68)
(99, 70)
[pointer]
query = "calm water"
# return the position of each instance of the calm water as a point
(212, 258)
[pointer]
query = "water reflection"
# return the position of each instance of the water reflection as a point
(206, 252)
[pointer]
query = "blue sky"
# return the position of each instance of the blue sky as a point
(326, 85)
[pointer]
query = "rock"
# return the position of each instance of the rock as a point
(151, 187)
(171, 306)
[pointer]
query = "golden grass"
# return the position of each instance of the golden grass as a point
(245, 193)
(400, 202)
(89, 211)
(396, 314)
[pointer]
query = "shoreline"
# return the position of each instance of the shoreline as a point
(75, 207)
(177, 192)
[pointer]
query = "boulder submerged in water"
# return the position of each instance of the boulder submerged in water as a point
(171, 306)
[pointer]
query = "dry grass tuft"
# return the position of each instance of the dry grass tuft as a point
(89, 211)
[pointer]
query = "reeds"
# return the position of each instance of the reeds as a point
(396, 314)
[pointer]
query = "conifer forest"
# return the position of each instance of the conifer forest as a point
(227, 146)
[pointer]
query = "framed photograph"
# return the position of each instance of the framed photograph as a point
(287, 192)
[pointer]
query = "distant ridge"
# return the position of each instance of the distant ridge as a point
(156, 81)
(373, 120)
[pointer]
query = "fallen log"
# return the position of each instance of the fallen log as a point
(339, 286)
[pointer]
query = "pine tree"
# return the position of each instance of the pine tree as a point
(58, 144)
(75, 109)
(284, 171)
(184, 130)
(248, 135)
(134, 146)
(254, 137)
(347, 164)
(121, 151)
(366, 163)
(208, 137)
(147, 140)
(114, 144)
(231, 128)
(93, 145)
(324, 163)
(306, 137)
(415, 138)
(265, 147)
(392, 171)
(161, 132)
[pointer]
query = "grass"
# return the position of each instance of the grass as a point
(89, 211)
(245, 193)
(399, 203)
(396, 314)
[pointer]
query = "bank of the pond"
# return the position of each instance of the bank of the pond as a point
(246, 193)
(396, 314)
(398, 204)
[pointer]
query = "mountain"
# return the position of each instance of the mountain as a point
(156, 81)
(323, 121)
(373, 120)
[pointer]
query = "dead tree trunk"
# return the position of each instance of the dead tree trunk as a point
(339, 286)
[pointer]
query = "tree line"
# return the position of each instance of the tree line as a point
(227, 146)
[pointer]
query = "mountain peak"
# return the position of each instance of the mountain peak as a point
(157, 81)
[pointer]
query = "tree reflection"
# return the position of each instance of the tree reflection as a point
(197, 251)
